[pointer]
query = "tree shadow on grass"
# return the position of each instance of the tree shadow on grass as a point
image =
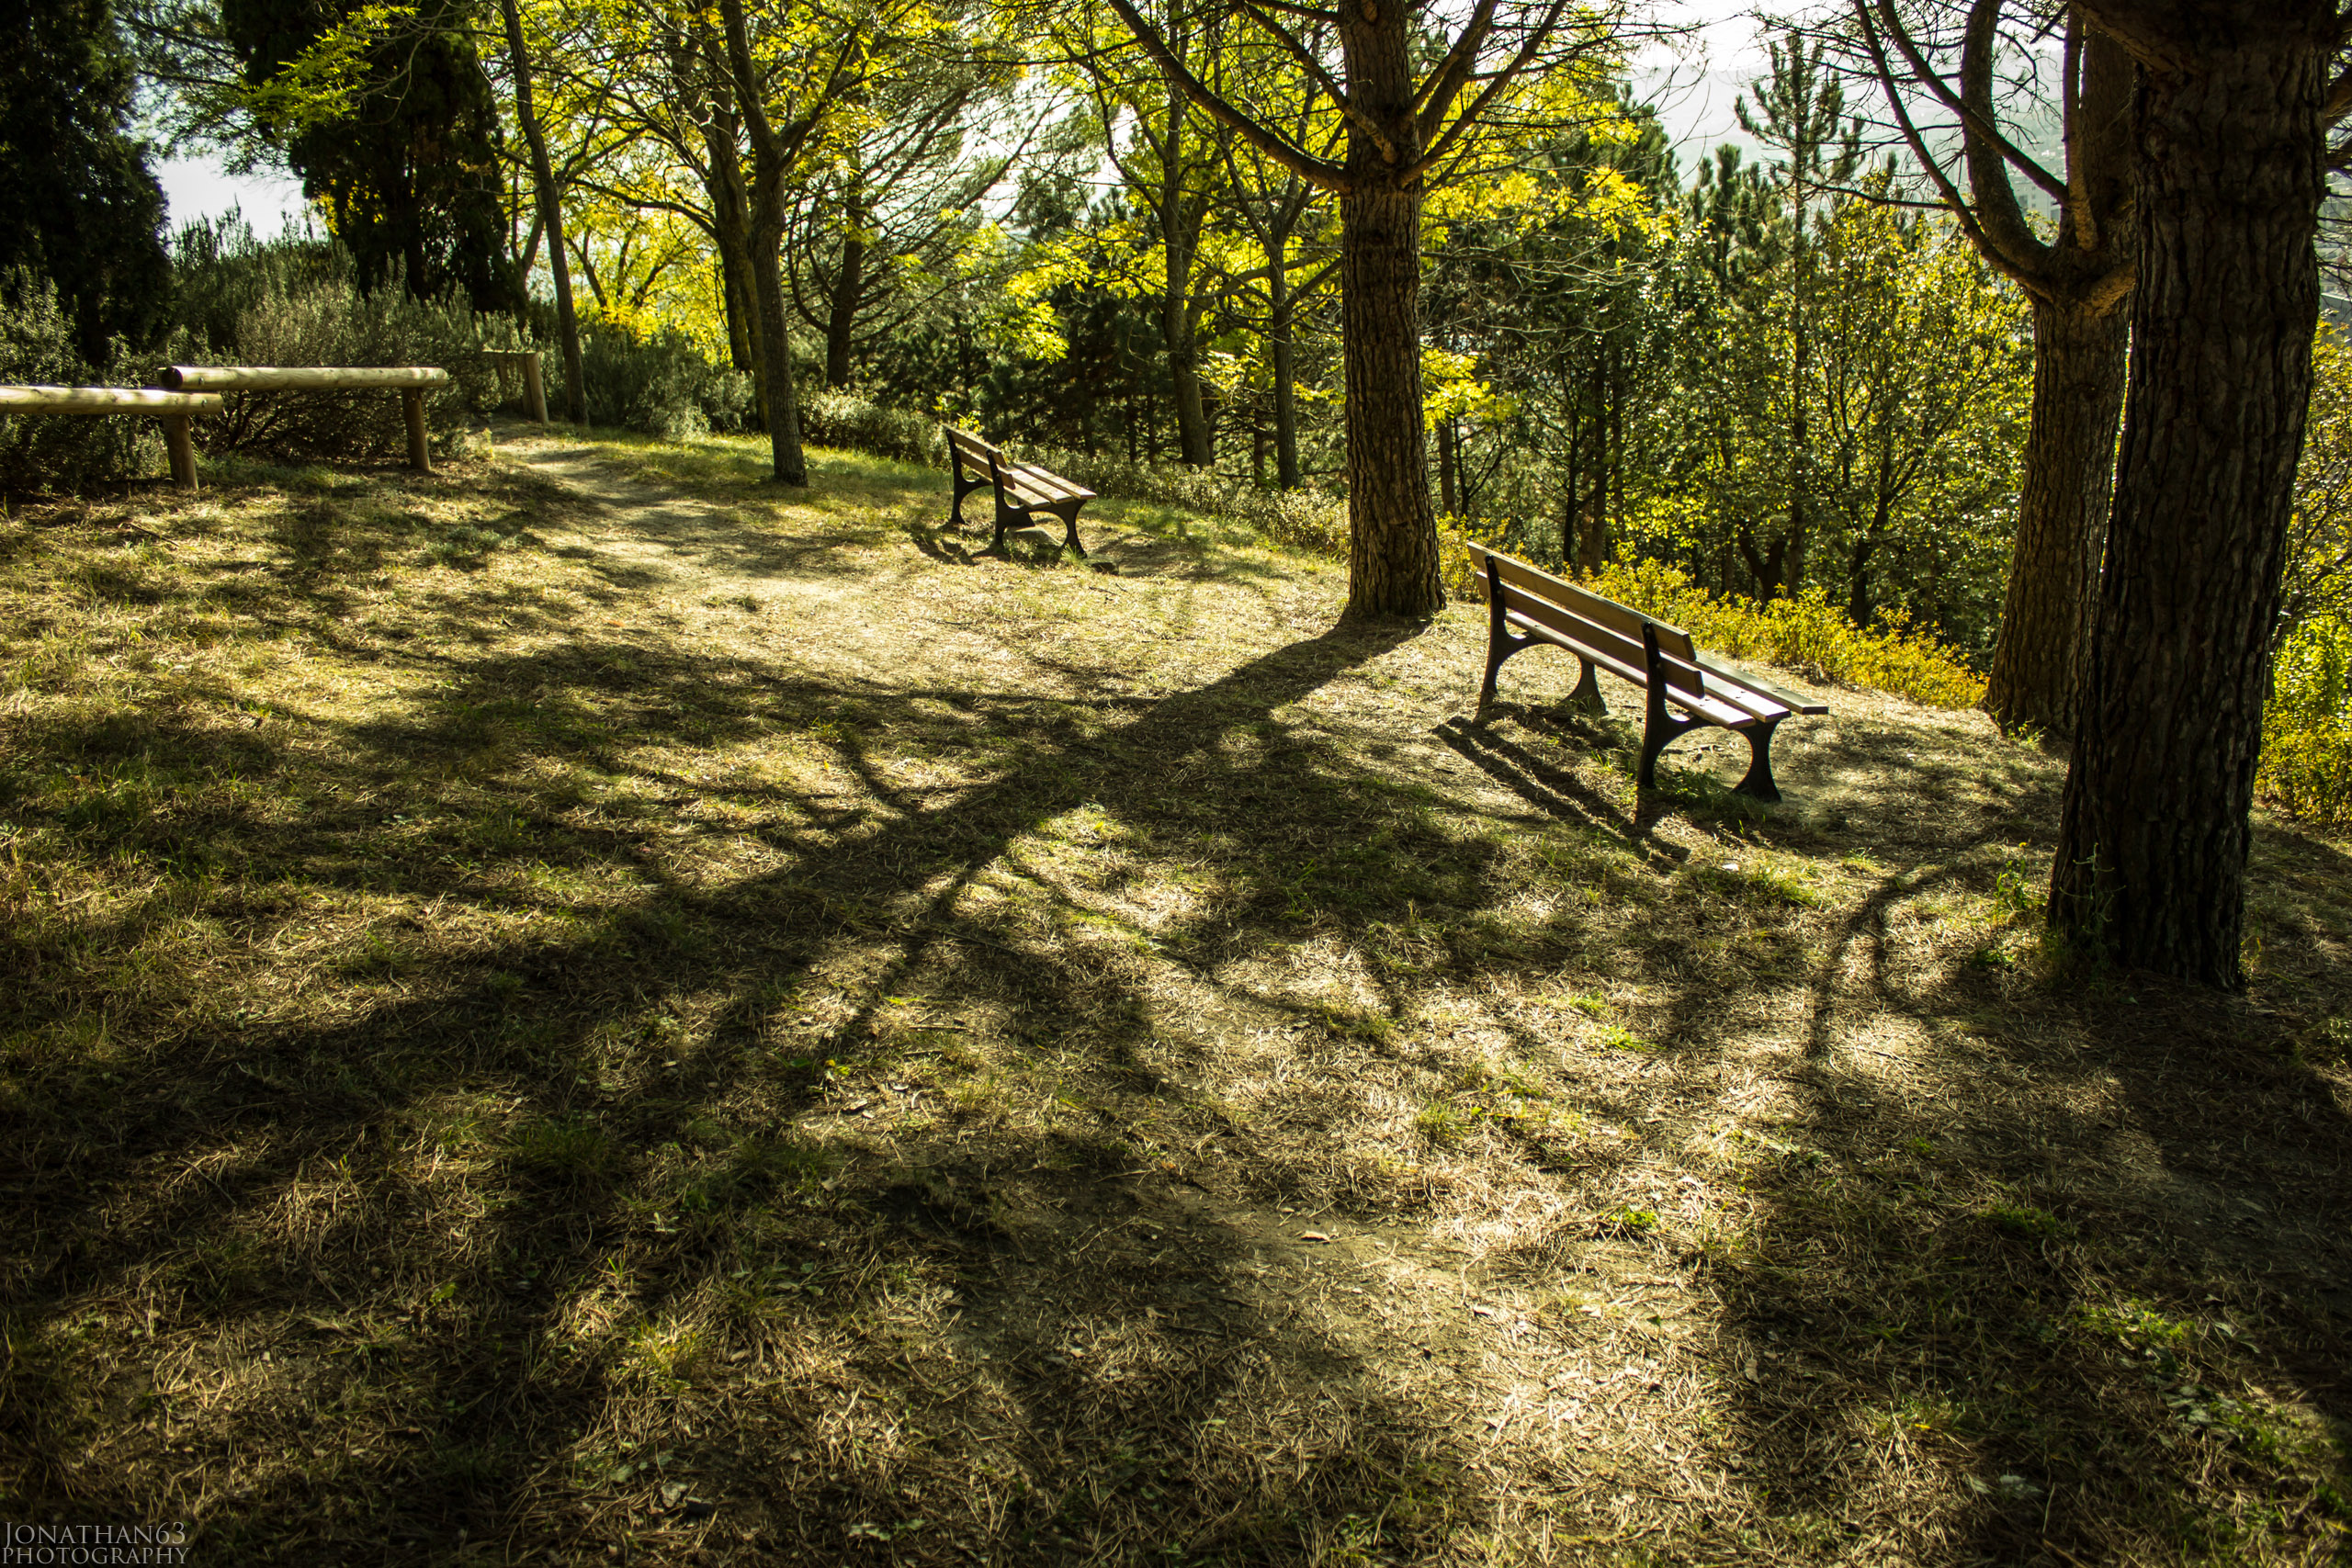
(636, 1097)
(258, 1162)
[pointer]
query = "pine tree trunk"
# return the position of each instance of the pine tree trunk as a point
(2078, 363)
(2154, 834)
(1391, 533)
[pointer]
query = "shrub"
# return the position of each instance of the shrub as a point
(64, 452)
(849, 420)
(2307, 726)
(326, 320)
(662, 384)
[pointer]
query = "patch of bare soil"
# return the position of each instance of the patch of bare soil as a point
(743, 1031)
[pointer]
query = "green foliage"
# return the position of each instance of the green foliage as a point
(2307, 728)
(78, 208)
(386, 114)
(661, 382)
(41, 346)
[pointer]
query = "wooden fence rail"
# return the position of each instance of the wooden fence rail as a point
(410, 381)
(174, 409)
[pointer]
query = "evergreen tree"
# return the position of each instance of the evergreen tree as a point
(78, 206)
(409, 166)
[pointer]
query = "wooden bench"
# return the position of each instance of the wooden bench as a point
(1527, 607)
(1022, 490)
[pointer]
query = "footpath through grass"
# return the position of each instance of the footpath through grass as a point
(583, 1009)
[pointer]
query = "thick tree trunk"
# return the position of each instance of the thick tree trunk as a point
(2154, 834)
(1391, 533)
(566, 325)
(2078, 363)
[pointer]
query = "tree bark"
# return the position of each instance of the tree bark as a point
(775, 155)
(1392, 532)
(2230, 143)
(1285, 374)
(848, 292)
(2068, 483)
(1448, 496)
(778, 404)
(566, 325)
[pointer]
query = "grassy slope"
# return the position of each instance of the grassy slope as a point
(620, 1021)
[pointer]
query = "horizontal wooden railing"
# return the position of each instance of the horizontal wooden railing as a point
(409, 380)
(174, 409)
(298, 377)
(187, 391)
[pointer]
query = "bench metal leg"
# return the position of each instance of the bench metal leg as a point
(1007, 516)
(1659, 730)
(1501, 641)
(964, 487)
(1759, 782)
(1068, 512)
(1587, 693)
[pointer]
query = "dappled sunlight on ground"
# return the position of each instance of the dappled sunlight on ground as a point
(590, 1004)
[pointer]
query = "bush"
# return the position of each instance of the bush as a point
(852, 422)
(2307, 728)
(329, 321)
(64, 452)
(662, 384)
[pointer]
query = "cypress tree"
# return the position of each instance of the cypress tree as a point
(409, 170)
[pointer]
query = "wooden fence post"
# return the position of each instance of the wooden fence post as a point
(535, 387)
(412, 409)
(178, 439)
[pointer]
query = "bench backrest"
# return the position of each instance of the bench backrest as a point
(1582, 617)
(974, 451)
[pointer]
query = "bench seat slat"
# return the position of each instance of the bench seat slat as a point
(1043, 484)
(1780, 695)
(1718, 713)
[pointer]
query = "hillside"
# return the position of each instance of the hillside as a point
(583, 1008)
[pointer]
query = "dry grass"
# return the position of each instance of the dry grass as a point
(562, 1017)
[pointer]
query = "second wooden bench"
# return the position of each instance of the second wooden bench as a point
(1527, 608)
(1022, 490)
